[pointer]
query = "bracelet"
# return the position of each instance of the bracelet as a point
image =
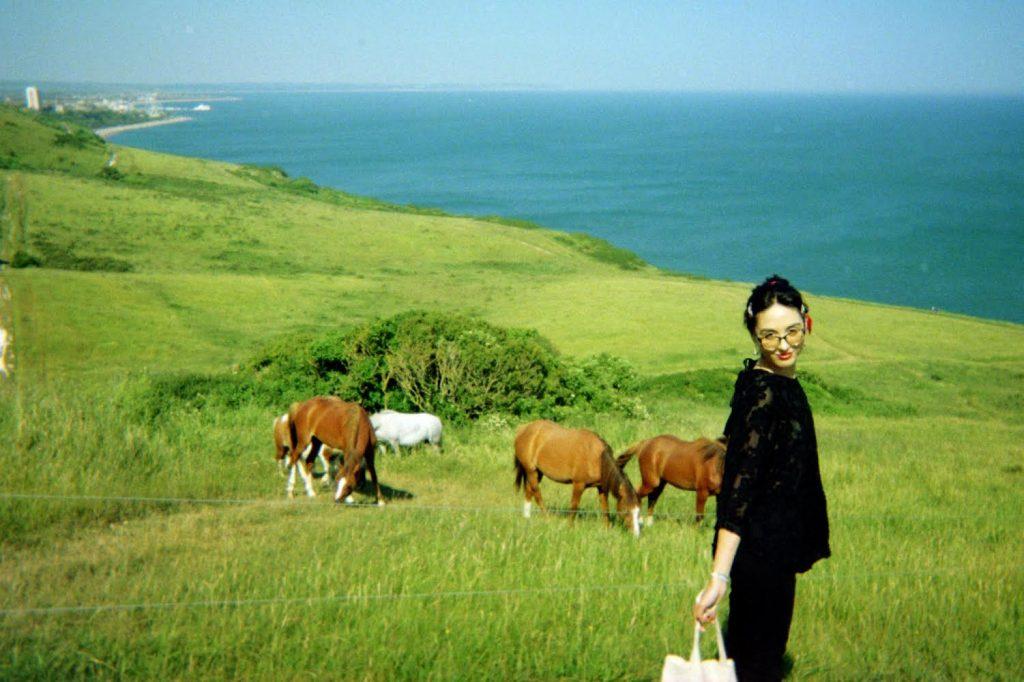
(721, 576)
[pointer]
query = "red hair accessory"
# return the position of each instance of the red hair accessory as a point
(809, 322)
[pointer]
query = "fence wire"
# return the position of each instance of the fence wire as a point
(834, 514)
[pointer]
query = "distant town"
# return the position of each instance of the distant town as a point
(97, 110)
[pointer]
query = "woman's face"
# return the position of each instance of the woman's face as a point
(779, 335)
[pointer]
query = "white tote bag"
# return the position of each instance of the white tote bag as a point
(721, 669)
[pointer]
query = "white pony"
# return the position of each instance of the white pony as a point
(406, 430)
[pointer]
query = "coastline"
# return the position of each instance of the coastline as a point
(108, 132)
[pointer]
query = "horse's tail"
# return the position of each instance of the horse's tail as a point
(628, 454)
(293, 435)
(520, 474)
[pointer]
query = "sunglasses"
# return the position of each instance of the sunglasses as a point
(770, 341)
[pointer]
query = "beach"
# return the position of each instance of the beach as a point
(107, 133)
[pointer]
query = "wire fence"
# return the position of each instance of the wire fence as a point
(464, 509)
(57, 610)
(681, 587)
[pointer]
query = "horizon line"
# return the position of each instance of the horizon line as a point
(329, 86)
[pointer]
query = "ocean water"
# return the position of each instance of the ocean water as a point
(913, 201)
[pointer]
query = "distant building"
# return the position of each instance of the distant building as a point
(32, 98)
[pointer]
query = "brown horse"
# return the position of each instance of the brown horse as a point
(665, 459)
(575, 456)
(329, 422)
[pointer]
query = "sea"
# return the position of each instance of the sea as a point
(906, 200)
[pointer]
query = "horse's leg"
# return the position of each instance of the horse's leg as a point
(306, 472)
(533, 478)
(702, 498)
(305, 464)
(645, 489)
(574, 505)
(652, 500)
(289, 487)
(603, 497)
(395, 448)
(325, 463)
(294, 457)
(527, 498)
(373, 476)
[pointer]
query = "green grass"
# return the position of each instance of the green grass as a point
(920, 419)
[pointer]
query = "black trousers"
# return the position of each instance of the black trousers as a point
(760, 611)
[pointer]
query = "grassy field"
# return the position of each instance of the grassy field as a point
(142, 548)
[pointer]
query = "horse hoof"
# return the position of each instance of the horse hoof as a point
(380, 503)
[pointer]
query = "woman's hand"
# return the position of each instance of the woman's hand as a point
(705, 607)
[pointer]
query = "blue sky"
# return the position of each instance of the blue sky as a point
(822, 46)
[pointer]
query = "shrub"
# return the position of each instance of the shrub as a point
(111, 173)
(76, 139)
(457, 367)
(24, 259)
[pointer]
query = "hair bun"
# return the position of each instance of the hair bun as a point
(776, 282)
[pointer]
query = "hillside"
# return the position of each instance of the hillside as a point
(172, 265)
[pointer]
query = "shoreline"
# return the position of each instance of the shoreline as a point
(110, 131)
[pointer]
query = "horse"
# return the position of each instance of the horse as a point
(283, 445)
(695, 465)
(330, 422)
(576, 456)
(406, 430)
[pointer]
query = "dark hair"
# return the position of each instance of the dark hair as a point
(775, 289)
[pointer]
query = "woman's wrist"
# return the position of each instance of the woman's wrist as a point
(718, 575)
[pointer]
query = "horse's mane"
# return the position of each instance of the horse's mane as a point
(715, 449)
(611, 475)
(712, 448)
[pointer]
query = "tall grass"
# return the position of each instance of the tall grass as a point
(448, 580)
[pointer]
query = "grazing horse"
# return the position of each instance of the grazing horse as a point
(341, 426)
(665, 459)
(406, 430)
(575, 456)
(283, 445)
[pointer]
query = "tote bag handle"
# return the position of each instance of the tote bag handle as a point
(719, 640)
(678, 669)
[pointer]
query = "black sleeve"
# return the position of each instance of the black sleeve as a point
(749, 444)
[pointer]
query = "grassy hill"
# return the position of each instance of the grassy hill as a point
(178, 528)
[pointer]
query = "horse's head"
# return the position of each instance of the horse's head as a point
(348, 480)
(628, 505)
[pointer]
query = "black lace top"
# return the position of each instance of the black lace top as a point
(771, 490)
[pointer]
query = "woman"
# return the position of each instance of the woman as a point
(772, 521)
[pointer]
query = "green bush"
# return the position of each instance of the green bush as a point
(24, 259)
(111, 173)
(457, 367)
(76, 139)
